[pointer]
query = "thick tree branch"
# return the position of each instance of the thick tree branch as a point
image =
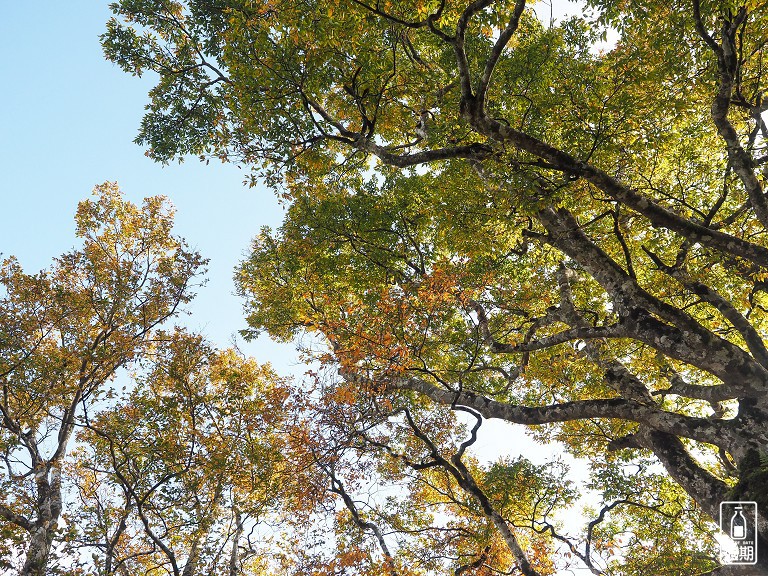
(704, 488)
(686, 339)
(702, 31)
(753, 340)
(728, 67)
(468, 100)
(701, 429)
(708, 393)
(656, 214)
(18, 519)
(617, 376)
(701, 485)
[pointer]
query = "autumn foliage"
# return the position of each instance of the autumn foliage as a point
(560, 225)
(495, 216)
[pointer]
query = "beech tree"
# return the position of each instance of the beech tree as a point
(64, 332)
(506, 219)
(179, 474)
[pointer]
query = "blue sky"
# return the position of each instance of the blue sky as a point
(69, 120)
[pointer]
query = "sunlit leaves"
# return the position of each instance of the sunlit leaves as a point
(65, 332)
(188, 457)
(530, 224)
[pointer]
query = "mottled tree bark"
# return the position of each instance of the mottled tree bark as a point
(42, 531)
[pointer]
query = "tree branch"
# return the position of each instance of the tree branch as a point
(338, 488)
(498, 48)
(752, 338)
(685, 339)
(656, 214)
(18, 519)
(456, 468)
(701, 429)
(701, 485)
(582, 332)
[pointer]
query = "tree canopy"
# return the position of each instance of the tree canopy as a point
(494, 217)
(177, 475)
(65, 331)
(128, 448)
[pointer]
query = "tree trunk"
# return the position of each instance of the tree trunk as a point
(48, 481)
(709, 492)
(190, 569)
(753, 487)
(234, 559)
(39, 549)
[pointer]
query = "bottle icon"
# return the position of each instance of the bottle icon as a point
(738, 525)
